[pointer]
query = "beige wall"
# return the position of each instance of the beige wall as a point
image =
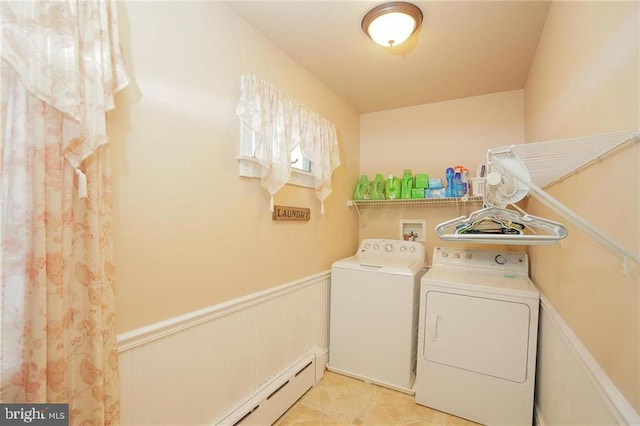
(584, 81)
(189, 232)
(429, 138)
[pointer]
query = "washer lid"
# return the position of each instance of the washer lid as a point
(473, 279)
(381, 264)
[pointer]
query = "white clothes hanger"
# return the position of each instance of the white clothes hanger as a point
(553, 231)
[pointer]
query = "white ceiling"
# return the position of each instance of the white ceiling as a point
(464, 48)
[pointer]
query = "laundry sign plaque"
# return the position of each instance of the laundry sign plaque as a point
(291, 213)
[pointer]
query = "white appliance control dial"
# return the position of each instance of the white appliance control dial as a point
(445, 254)
(412, 249)
(500, 259)
(388, 247)
(403, 248)
(468, 256)
(376, 247)
(456, 255)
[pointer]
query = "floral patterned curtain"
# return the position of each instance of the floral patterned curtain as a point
(61, 66)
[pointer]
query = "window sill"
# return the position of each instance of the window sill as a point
(250, 167)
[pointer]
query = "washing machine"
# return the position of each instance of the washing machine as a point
(374, 308)
(478, 336)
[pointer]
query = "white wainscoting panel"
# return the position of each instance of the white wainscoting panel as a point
(571, 388)
(196, 368)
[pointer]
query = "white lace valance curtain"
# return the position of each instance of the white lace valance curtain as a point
(281, 124)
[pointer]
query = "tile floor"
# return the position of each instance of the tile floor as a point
(341, 400)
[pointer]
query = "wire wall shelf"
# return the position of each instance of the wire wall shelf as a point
(413, 201)
(451, 201)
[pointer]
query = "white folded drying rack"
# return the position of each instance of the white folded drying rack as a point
(518, 170)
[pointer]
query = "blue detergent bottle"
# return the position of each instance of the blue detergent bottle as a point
(457, 189)
(449, 175)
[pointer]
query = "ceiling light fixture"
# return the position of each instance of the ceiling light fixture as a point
(389, 24)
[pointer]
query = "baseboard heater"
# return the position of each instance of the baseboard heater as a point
(276, 396)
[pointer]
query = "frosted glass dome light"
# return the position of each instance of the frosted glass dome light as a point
(390, 24)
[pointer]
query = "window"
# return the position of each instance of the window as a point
(250, 167)
(298, 161)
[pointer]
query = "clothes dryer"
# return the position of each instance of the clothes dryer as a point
(478, 336)
(374, 313)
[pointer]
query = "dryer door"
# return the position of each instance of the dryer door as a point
(482, 335)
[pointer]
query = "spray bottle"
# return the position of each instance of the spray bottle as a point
(465, 180)
(457, 181)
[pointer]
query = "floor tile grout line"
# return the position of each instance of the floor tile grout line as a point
(370, 401)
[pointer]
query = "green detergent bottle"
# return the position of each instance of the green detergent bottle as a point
(361, 191)
(377, 188)
(393, 188)
(407, 185)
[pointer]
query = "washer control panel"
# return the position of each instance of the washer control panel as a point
(390, 249)
(487, 259)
